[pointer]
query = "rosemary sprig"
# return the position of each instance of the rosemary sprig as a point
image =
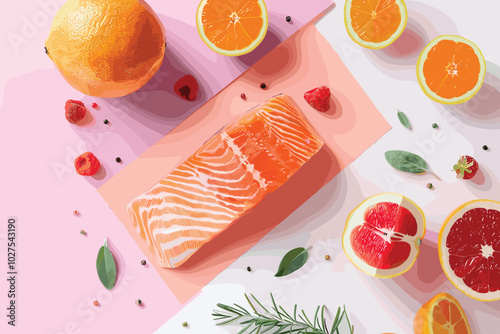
(278, 321)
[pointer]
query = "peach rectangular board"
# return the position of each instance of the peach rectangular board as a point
(304, 61)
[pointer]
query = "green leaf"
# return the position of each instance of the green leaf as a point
(292, 261)
(406, 161)
(106, 267)
(404, 120)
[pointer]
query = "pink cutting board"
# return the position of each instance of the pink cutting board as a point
(304, 61)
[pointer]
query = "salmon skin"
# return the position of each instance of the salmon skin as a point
(226, 177)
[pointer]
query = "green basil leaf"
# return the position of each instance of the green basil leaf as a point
(106, 267)
(406, 161)
(292, 261)
(404, 120)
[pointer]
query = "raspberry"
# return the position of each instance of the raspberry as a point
(187, 87)
(319, 98)
(87, 164)
(75, 111)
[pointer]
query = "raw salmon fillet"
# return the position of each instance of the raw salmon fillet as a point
(226, 177)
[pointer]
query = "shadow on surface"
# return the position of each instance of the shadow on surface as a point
(483, 109)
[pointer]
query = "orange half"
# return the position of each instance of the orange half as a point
(451, 69)
(375, 24)
(232, 27)
(441, 315)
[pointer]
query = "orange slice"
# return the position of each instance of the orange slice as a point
(232, 27)
(441, 315)
(375, 24)
(451, 69)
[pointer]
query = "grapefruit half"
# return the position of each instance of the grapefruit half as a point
(469, 249)
(383, 234)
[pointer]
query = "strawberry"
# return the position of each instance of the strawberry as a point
(75, 111)
(87, 164)
(319, 98)
(466, 167)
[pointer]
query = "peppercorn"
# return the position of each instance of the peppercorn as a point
(46, 51)
(288, 19)
(430, 186)
(143, 262)
(184, 324)
(96, 303)
(327, 257)
(249, 269)
(138, 302)
(76, 213)
(263, 86)
(82, 232)
(485, 147)
(94, 105)
(106, 121)
(434, 125)
(243, 96)
(118, 159)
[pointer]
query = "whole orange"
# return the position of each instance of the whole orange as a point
(106, 48)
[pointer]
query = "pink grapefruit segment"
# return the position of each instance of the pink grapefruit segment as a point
(371, 241)
(383, 235)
